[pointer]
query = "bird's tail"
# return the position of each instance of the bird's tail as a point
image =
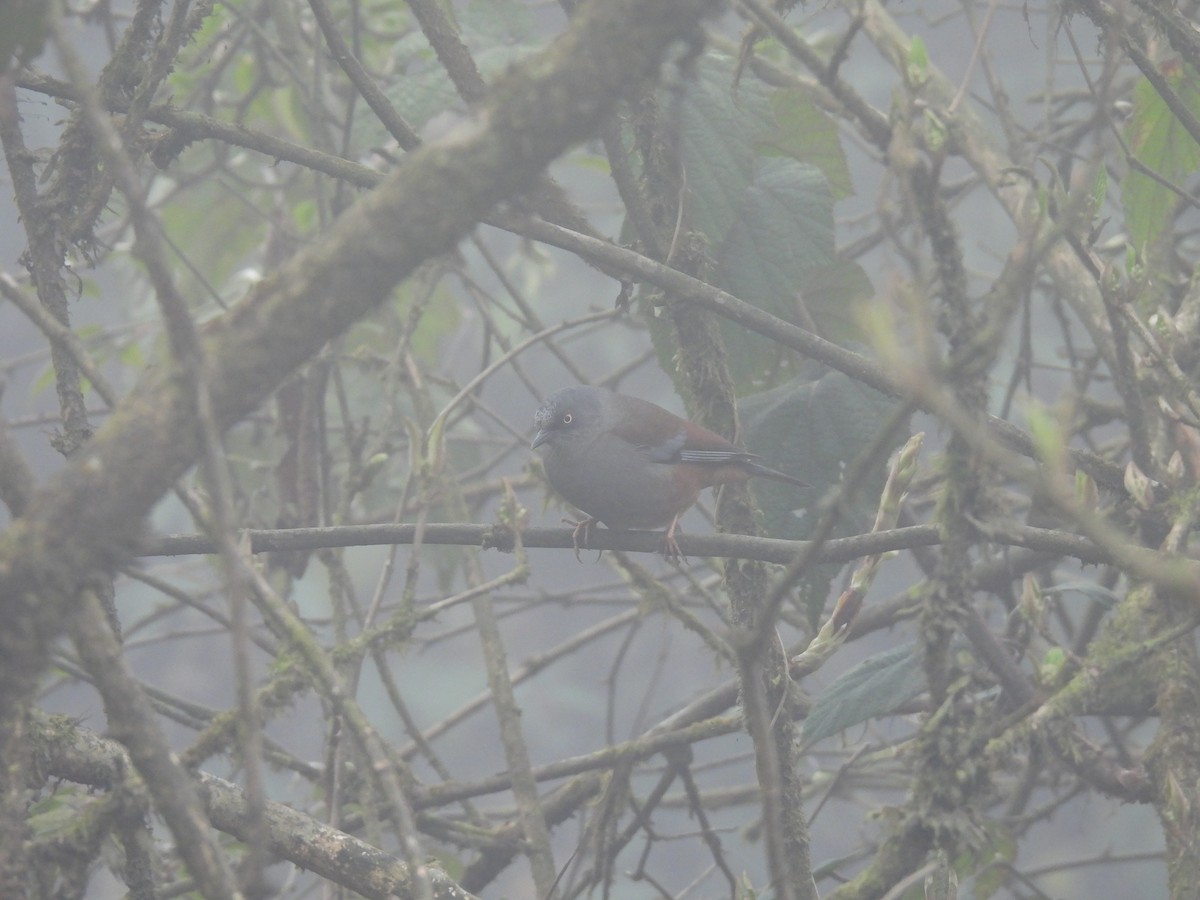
(767, 472)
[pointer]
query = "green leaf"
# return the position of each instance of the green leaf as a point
(44, 380)
(422, 92)
(780, 227)
(132, 355)
(778, 233)
(834, 294)
(812, 428)
(782, 222)
(936, 134)
(988, 883)
(918, 61)
(1160, 141)
(491, 22)
(497, 32)
(245, 70)
(306, 215)
(875, 687)
(779, 230)
(1052, 664)
(1099, 188)
(1046, 432)
(23, 31)
(806, 133)
(998, 845)
(1106, 597)
(763, 168)
(718, 133)
(220, 237)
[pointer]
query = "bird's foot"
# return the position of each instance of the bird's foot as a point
(670, 546)
(579, 535)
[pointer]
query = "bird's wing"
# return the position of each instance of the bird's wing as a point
(714, 457)
(649, 428)
(665, 438)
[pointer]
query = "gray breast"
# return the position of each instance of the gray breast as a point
(612, 481)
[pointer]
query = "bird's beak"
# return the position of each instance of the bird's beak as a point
(540, 438)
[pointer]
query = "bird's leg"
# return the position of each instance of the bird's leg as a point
(580, 534)
(670, 548)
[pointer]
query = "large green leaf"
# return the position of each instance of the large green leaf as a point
(497, 32)
(806, 133)
(1159, 141)
(718, 133)
(22, 31)
(780, 227)
(875, 687)
(760, 165)
(813, 427)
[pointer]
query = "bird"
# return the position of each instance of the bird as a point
(629, 463)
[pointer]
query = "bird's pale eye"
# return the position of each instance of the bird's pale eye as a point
(568, 419)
